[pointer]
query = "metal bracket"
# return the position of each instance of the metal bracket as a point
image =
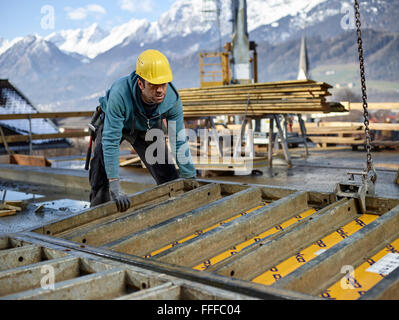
(357, 189)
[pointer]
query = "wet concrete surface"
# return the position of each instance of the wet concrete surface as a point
(40, 205)
(321, 171)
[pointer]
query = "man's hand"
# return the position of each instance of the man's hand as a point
(192, 182)
(122, 200)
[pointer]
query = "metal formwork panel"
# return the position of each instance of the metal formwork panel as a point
(29, 264)
(268, 242)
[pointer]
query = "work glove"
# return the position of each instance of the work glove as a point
(192, 182)
(121, 199)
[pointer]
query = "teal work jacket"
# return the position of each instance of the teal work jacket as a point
(123, 110)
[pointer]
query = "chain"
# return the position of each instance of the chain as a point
(363, 84)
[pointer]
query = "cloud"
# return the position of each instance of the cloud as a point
(136, 5)
(76, 14)
(82, 12)
(96, 8)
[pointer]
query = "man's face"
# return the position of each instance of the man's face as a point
(152, 93)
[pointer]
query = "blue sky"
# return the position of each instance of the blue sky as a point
(19, 18)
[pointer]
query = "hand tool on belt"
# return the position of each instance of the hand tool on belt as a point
(95, 121)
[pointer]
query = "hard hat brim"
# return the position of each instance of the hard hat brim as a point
(159, 80)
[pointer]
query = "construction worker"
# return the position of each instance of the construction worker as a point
(133, 106)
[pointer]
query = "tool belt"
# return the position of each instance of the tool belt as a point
(129, 135)
(96, 120)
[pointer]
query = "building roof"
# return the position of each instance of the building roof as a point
(12, 101)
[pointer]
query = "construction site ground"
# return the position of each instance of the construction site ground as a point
(320, 171)
(258, 236)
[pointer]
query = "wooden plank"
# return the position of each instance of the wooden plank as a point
(337, 140)
(201, 248)
(343, 124)
(255, 109)
(257, 95)
(131, 222)
(28, 160)
(146, 241)
(332, 130)
(276, 84)
(46, 115)
(5, 158)
(15, 203)
(255, 102)
(23, 138)
(9, 152)
(291, 90)
(385, 143)
(289, 97)
(324, 270)
(7, 212)
(199, 115)
(129, 161)
(261, 105)
(248, 264)
(375, 105)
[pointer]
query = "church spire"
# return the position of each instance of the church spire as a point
(303, 59)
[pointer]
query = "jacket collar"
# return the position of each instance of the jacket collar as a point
(169, 102)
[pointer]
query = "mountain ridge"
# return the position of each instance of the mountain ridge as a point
(72, 80)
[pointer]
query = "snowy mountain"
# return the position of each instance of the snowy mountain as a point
(76, 66)
(37, 55)
(81, 41)
(273, 20)
(184, 18)
(6, 44)
(39, 68)
(94, 40)
(329, 19)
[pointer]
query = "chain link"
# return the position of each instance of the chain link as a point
(363, 84)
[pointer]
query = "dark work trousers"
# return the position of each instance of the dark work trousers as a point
(161, 172)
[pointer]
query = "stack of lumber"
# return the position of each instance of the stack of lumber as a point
(298, 96)
(374, 106)
(25, 160)
(130, 161)
(351, 133)
(9, 208)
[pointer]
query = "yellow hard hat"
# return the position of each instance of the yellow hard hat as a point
(154, 67)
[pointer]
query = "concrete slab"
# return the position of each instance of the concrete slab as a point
(321, 171)
(41, 205)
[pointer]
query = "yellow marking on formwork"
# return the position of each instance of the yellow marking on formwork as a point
(196, 234)
(289, 265)
(206, 264)
(358, 281)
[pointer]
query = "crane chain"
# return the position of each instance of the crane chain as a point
(364, 93)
